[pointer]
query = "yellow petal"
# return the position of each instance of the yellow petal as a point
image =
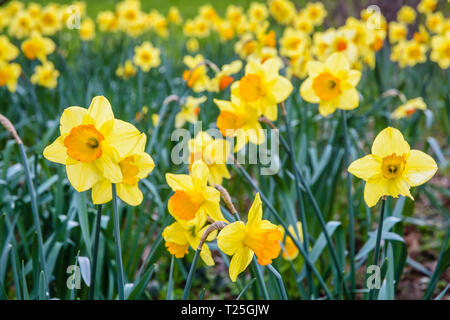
(212, 209)
(130, 193)
(179, 181)
(200, 173)
(337, 62)
(145, 164)
(353, 77)
(56, 152)
(388, 142)
(231, 238)
(419, 168)
(349, 99)
(175, 233)
(366, 167)
(328, 107)
(124, 137)
(102, 192)
(281, 89)
(71, 117)
(241, 259)
(314, 68)
(100, 110)
(255, 212)
(270, 68)
(83, 176)
(206, 256)
(108, 164)
(307, 91)
(373, 191)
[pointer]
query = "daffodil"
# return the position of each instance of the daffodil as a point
(282, 10)
(135, 166)
(9, 75)
(315, 12)
(21, 25)
(392, 168)
(290, 250)
(181, 235)
(87, 30)
(50, 21)
(293, 43)
(196, 77)
(37, 47)
(406, 14)
(331, 84)
(440, 50)
(174, 16)
(189, 111)
(224, 78)
(397, 32)
(263, 87)
(214, 153)
(107, 21)
(8, 51)
(91, 144)
(192, 45)
(258, 11)
(146, 56)
(435, 22)
(127, 70)
(242, 241)
(427, 6)
(408, 108)
(238, 119)
(193, 197)
(45, 75)
(409, 53)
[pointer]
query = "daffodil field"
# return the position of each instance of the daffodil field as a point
(259, 150)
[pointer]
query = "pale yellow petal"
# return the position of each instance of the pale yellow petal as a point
(388, 142)
(307, 92)
(281, 89)
(255, 212)
(200, 173)
(179, 181)
(240, 261)
(56, 152)
(108, 165)
(366, 167)
(124, 137)
(130, 193)
(100, 110)
(419, 168)
(71, 117)
(231, 238)
(102, 192)
(83, 176)
(349, 99)
(175, 233)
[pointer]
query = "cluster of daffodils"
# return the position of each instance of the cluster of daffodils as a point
(99, 151)
(195, 205)
(146, 57)
(433, 34)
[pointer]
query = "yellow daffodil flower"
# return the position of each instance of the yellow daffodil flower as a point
(242, 241)
(38, 47)
(435, 22)
(224, 78)
(127, 70)
(290, 250)
(315, 12)
(135, 166)
(258, 11)
(174, 16)
(238, 119)
(331, 84)
(192, 45)
(392, 168)
(146, 56)
(262, 87)
(408, 108)
(8, 51)
(440, 50)
(9, 75)
(409, 53)
(91, 144)
(196, 77)
(283, 11)
(87, 30)
(107, 21)
(45, 75)
(192, 197)
(181, 234)
(406, 14)
(427, 6)
(293, 43)
(214, 153)
(189, 111)
(397, 32)
(51, 21)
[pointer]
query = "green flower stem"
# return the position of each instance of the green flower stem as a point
(280, 281)
(120, 283)
(377, 244)
(34, 209)
(288, 233)
(351, 217)
(299, 196)
(187, 287)
(170, 284)
(95, 252)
